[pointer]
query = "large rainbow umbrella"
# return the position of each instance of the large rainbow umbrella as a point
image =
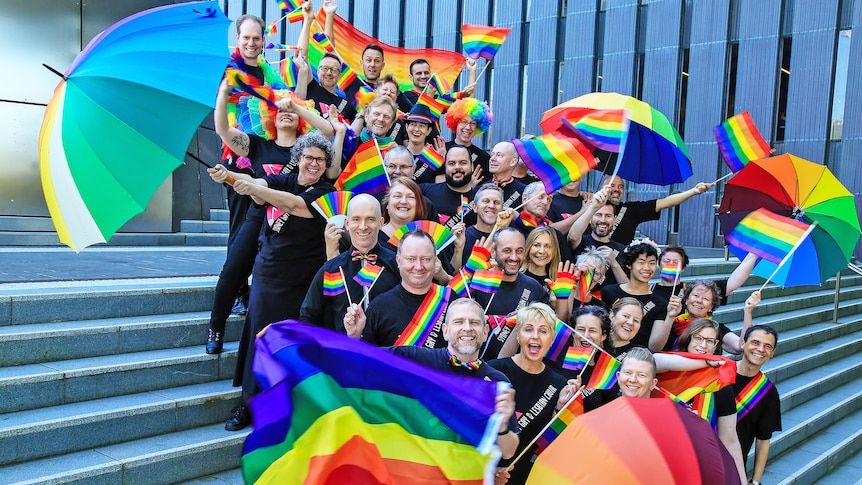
(636, 441)
(650, 149)
(799, 189)
(122, 117)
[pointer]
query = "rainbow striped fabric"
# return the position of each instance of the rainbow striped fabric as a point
(577, 358)
(434, 105)
(333, 284)
(271, 30)
(458, 284)
(364, 173)
(295, 16)
(287, 6)
(670, 271)
(289, 71)
(564, 418)
(563, 285)
(740, 142)
(486, 280)
(704, 405)
(347, 77)
(584, 282)
(430, 157)
(482, 41)
(562, 332)
(430, 310)
(555, 159)
(464, 207)
(440, 84)
(767, 234)
(333, 204)
(317, 420)
(368, 274)
(673, 397)
(439, 233)
(753, 392)
(480, 258)
(322, 41)
(604, 129)
(281, 47)
(604, 374)
(687, 384)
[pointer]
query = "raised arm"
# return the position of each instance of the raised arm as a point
(579, 227)
(329, 7)
(661, 328)
(305, 32)
(340, 128)
(235, 139)
(741, 273)
(677, 199)
(260, 191)
(315, 120)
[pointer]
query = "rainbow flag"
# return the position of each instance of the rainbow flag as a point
(349, 41)
(604, 129)
(317, 418)
(431, 158)
(333, 204)
(420, 326)
(584, 282)
(604, 374)
(459, 285)
(363, 96)
(441, 235)
(368, 274)
(464, 207)
(767, 234)
(322, 41)
(333, 284)
(439, 84)
(295, 16)
(670, 271)
(672, 397)
(704, 405)
(242, 81)
(348, 75)
(482, 41)
(563, 285)
(486, 280)
(740, 142)
(287, 6)
(433, 104)
(289, 71)
(479, 259)
(271, 29)
(556, 160)
(364, 173)
(564, 418)
(281, 47)
(751, 395)
(562, 332)
(687, 384)
(497, 322)
(577, 358)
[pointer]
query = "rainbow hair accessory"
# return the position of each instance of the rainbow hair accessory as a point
(472, 108)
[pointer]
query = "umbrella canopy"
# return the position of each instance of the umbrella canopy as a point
(651, 150)
(636, 440)
(120, 121)
(792, 187)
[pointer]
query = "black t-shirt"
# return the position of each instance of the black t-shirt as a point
(513, 192)
(446, 200)
(761, 421)
(390, 313)
(322, 97)
(328, 311)
(297, 250)
(654, 308)
(629, 215)
(536, 397)
(471, 235)
(265, 154)
(593, 398)
(564, 206)
(587, 240)
(512, 295)
(477, 156)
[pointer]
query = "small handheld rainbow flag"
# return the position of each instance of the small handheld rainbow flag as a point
(604, 374)
(487, 280)
(459, 285)
(563, 419)
(439, 84)
(563, 285)
(287, 6)
(333, 284)
(577, 358)
(604, 129)
(585, 280)
(333, 206)
(670, 271)
(767, 234)
(295, 16)
(364, 173)
(673, 397)
(439, 233)
(482, 41)
(323, 41)
(289, 71)
(497, 322)
(562, 332)
(368, 274)
(432, 306)
(281, 47)
(464, 207)
(348, 75)
(740, 142)
(431, 158)
(271, 29)
(434, 106)
(363, 96)
(556, 160)
(480, 258)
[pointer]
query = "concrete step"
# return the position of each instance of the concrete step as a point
(69, 301)
(34, 238)
(789, 321)
(67, 428)
(69, 381)
(219, 215)
(849, 471)
(45, 342)
(733, 312)
(187, 226)
(26, 223)
(824, 437)
(162, 459)
(786, 365)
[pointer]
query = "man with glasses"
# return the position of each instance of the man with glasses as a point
(399, 162)
(468, 118)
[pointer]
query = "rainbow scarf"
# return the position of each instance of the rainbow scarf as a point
(704, 406)
(430, 310)
(529, 220)
(682, 322)
(752, 394)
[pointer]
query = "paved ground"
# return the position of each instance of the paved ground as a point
(34, 264)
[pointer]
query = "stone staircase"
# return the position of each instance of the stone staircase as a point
(107, 381)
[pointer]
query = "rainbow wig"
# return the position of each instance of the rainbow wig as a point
(470, 108)
(258, 117)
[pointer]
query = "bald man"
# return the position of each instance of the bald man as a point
(504, 159)
(363, 224)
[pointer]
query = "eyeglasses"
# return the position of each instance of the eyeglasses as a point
(470, 123)
(398, 168)
(329, 69)
(709, 342)
(309, 159)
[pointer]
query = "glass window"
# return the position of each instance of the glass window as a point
(842, 59)
(784, 82)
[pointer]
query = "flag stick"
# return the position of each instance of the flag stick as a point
(527, 448)
(588, 363)
(365, 297)
(466, 284)
(676, 278)
(379, 155)
(482, 71)
(722, 178)
(789, 254)
(526, 202)
(489, 303)
(344, 282)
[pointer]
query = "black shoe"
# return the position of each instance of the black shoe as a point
(214, 342)
(239, 419)
(239, 308)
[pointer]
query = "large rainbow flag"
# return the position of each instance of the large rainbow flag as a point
(318, 420)
(555, 159)
(767, 234)
(740, 141)
(350, 41)
(687, 384)
(364, 173)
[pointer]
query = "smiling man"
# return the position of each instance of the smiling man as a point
(446, 196)
(469, 118)
(637, 374)
(599, 216)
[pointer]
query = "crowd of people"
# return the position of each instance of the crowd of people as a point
(530, 235)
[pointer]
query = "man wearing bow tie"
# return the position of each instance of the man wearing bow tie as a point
(363, 224)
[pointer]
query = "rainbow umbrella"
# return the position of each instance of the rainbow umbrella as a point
(122, 117)
(650, 149)
(634, 441)
(799, 189)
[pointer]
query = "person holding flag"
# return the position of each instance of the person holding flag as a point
(675, 259)
(592, 326)
(420, 125)
(539, 388)
(593, 229)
